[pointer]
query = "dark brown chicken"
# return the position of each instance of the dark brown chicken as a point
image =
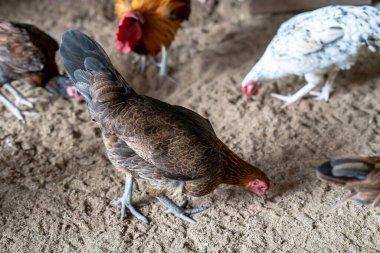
(28, 54)
(173, 148)
(360, 175)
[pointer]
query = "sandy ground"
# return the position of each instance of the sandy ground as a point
(56, 184)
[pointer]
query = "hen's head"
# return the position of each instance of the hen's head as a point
(238, 172)
(255, 180)
(62, 86)
(251, 88)
(259, 186)
(129, 32)
(251, 84)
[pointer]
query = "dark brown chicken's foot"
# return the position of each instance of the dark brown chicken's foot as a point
(163, 66)
(20, 99)
(126, 201)
(179, 211)
(16, 111)
(43, 99)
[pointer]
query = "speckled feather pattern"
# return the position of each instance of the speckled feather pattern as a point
(317, 41)
(26, 53)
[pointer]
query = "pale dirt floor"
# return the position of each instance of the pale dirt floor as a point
(56, 184)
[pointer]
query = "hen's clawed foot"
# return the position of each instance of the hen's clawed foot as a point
(323, 95)
(43, 99)
(287, 99)
(180, 211)
(126, 201)
(296, 96)
(14, 110)
(20, 99)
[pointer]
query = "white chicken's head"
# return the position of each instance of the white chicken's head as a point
(249, 85)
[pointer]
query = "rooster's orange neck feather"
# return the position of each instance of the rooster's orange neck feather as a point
(158, 28)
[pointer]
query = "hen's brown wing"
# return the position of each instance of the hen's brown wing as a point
(361, 175)
(24, 48)
(176, 142)
(126, 160)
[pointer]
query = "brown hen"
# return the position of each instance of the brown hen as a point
(360, 175)
(173, 148)
(28, 54)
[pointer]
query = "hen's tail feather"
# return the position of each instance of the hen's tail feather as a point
(182, 12)
(345, 170)
(360, 175)
(86, 61)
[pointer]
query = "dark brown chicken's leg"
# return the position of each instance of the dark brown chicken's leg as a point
(13, 109)
(126, 201)
(179, 211)
(20, 99)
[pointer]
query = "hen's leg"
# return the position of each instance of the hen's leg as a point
(13, 109)
(312, 79)
(180, 211)
(163, 66)
(126, 201)
(141, 59)
(20, 99)
(325, 92)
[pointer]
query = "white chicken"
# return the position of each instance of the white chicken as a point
(316, 43)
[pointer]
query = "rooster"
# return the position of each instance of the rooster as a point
(172, 147)
(313, 44)
(28, 54)
(148, 27)
(360, 175)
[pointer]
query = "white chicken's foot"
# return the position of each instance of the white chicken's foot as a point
(13, 109)
(20, 99)
(325, 92)
(179, 211)
(295, 97)
(163, 66)
(126, 201)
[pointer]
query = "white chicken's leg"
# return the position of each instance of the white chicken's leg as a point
(126, 201)
(312, 81)
(180, 211)
(13, 109)
(325, 92)
(163, 66)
